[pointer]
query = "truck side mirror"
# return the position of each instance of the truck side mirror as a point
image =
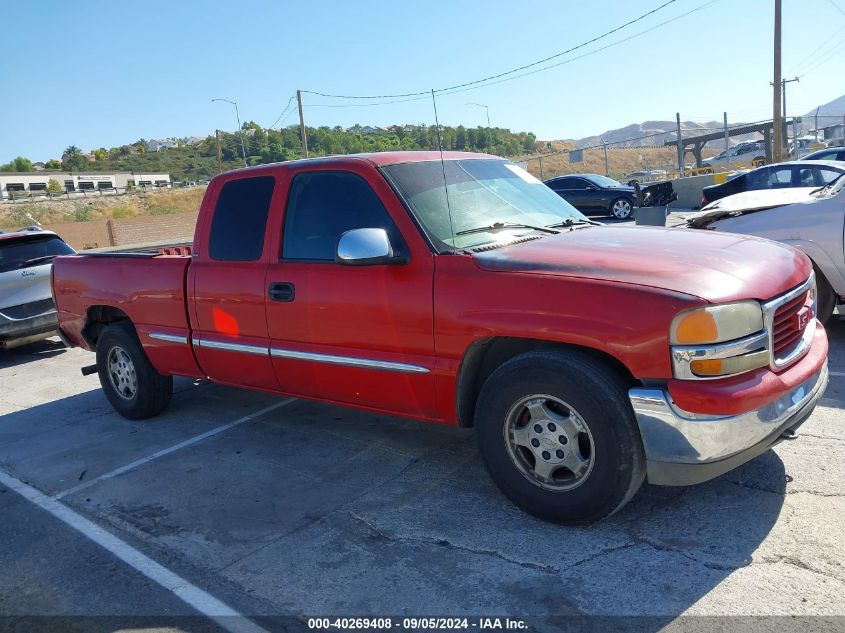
(365, 247)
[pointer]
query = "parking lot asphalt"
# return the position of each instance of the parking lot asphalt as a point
(240, 503)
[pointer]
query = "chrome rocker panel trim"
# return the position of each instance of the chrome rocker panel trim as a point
(349, 361)
(168, 338)
(683, 448)
(331, 359)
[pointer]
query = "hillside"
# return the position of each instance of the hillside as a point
(621, 162)
(199, 161)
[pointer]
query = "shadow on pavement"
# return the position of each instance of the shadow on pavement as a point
(323, 510)
(30, 353)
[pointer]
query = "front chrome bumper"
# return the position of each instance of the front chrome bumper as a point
(684, 448)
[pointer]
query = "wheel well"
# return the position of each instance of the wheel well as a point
(484, 356)
(98, 317)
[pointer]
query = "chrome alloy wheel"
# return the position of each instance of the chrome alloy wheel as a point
(122, 373)
(549, 442)
(621, 209)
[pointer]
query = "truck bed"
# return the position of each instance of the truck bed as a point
(148, 288)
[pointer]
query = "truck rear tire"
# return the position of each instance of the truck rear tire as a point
(558, 436)
(132, 385)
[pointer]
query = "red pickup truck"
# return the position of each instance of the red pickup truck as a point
(461, 290)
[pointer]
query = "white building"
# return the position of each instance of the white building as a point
(156, 144)
(72, 183)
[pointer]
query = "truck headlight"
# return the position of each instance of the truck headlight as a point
(717, 341)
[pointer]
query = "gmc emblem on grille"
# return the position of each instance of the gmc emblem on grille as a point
(802, 317)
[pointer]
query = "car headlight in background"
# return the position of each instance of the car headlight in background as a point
(717, 341)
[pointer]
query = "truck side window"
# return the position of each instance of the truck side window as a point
(323, 205)
(240, 219)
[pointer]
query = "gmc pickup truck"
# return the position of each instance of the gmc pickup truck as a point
(460, 290)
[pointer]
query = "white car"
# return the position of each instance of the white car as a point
(751, 152)
(27, 312)
(810, 219)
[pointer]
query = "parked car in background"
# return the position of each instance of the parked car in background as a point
(593, 194)
(27, 313)
(829, 153)
(797, 173)
(456, 288)
(810, 219)
(751, 152)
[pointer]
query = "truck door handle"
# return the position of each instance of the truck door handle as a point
(282, 292)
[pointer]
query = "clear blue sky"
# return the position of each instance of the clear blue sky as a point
(103, 73)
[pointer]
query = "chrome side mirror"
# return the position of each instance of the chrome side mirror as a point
(365, 247)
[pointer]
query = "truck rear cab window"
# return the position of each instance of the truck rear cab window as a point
(323, 205)
(240, 219)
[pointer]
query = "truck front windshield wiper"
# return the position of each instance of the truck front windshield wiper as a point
(37, 260)
(573, 222)
(500, 226)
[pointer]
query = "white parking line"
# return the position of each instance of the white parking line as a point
(172, 449)
(190, 594)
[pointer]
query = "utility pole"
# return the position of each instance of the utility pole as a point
(302, 125)
(240, 128)
(219, 161)
(606, 170)
(816, 125)
(680, 145)
(777, 132)
(783, 83)
(727, 144)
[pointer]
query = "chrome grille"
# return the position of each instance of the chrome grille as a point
(790, 336)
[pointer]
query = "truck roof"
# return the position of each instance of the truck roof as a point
(376, 158)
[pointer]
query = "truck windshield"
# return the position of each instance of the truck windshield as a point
(491, 193)
(16, 253)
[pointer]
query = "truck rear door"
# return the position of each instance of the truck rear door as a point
(361, 335)
(227, 282)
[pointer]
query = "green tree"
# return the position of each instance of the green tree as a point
(101, 154)
(19, 164)
(73, 160)
(53, 164)
(54, 186)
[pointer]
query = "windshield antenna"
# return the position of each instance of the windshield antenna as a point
(443, 166)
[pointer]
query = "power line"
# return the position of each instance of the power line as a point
(456, 89)
(502, 74)
(287, 107)
(816, 50)
(593, 52)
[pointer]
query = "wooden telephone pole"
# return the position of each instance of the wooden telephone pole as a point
(777, 86)
(219, 161)
(302, 124)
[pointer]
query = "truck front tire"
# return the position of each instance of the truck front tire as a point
(132, 385)
(558, 436)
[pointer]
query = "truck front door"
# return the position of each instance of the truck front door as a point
(360, 335)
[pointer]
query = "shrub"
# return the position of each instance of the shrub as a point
(54, 186)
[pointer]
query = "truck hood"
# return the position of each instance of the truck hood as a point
(747, 202)
(716, 267)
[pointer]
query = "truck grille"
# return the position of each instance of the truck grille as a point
(27, 310)
(788, 326)
(790, 321)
